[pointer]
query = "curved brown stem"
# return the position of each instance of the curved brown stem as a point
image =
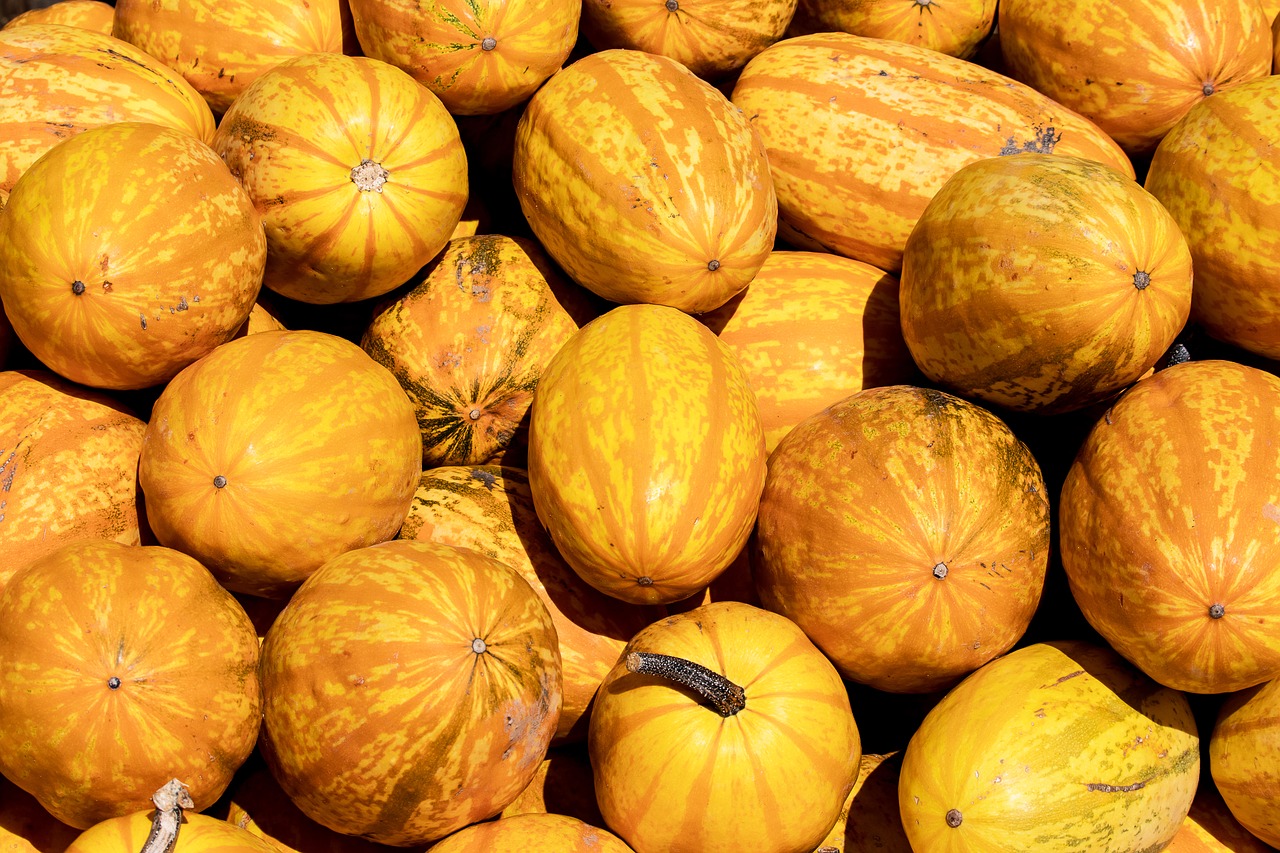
(725, 696)
(170, 800)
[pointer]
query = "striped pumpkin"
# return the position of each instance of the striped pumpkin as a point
(1244, 759)
(533, 833)
(1218, 172)
(1056, 746)
(89, 14)
(646, 472)
(198, 834)
(861, 133)
(564, 784)
(478, 56)
(25, 825)
(57, 81)
(122, 667)
(436, 673)
(1211, 828)
(1134, 69)
(1042, 284)
(357, 170)
(954, 27)
(644, 182)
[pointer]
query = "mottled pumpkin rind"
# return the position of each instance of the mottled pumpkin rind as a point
(957, 28)
(88, 14)
(199, 834)
(533, 833)
(1244, 758)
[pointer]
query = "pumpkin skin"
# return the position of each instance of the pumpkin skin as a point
(563, 785)
(478, 56)
(92, 612)
(533, 833)
(1134, 71)
(854, 174)
(469, 343)
(644, 182)
(783, 765)
(1244, 758)
(1218, 173)
(1051, 747)
(490, 509)
(221, 46)
(1170, 509)
(450, 732)
(1042, 284)
(304, 430)
(125, 302)
(646, 472)
(810, 330)
(198, 834)
(358, 172)
(25, 827)
(89, 14)
(954, 28)
(1211, 828)
(869, 819)
(58, 80)
(68, 468)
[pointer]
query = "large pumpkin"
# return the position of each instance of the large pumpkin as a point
(1244, 759)
(90, 14)
(436, 674)
(533, 833)
(955, 28)
(862, 132)
(1042, 284)
(122, 667)
(1057, 746)
(357, 170)
(127, 253)
(644, 182)
(275, 453)
(646, 470)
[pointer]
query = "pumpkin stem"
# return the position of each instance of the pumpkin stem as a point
(725, 696)
(170, 800)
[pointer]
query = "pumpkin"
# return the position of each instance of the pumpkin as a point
(191, 833)
(644, 182)
(533, 833)
(563, 785)
(275, 453)
(907, 532)
(58, 81)
(122, 666)
(1134, 69)
(955, 28)
(1053, 747)
(6, 337)
(90, 14)
(1170, 532)
(861, 133)
(68, 468)
(1244, 758)
(478, 56)
(723, 728)
(1211, 828)
(358, 172)
(221, 46)
(124, 302)
(436, 673)
(469, 343)
(646, 472)
(869, 818)
(810, 330)
(1218, 173)
(25, 826)
(711, 38)
(1042, 284)
(491, 510)
(260, 319)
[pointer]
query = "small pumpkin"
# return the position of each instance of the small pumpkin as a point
(955, 28)
(1211, 828)
(172, 827)
(869, 819)
(1244, 758)
(89, 14)
(533, 833)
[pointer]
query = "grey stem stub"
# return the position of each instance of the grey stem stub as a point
(474, 414)
(488, 43)
(479, 646)
(219, 482)
(113, 682)
(673, 5)
(369, 176)
(954, 818)
(77, 287)
(1141, 279)
(1217, 611)
(713, 265)
(940, 571)
(1208, 89)
(722, 694)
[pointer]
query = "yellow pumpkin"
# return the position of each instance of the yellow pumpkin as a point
(954, 27)
(1244, 758)
(89, 14)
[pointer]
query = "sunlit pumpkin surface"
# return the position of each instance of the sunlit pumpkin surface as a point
(954, 27)
(1244, 758)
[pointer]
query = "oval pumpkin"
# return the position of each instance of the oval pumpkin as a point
(88, 14)
(198, 833)
(956, 28)
(533, 833)
(1244, 758)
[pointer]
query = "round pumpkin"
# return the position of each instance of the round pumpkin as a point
(646, 471)
(436, 672)
(869, 819)
(89, 14)
(1244, 758)
(6, 337)
(469, 343)
(723, 728)
(954, 27)
(122, 667)
(1218, 173)
(1042, 284)
(1170, 527)
(1056, 746)
(644, 182)
(861, 133)
(478, 56)
(126, 254)
(221, 46)
(275, 453)
(1134, 69)
(197, 833)
(563, 785)
(358, 172)
(533, 833)
(1211, 828)
(25, 825)
(260, 319)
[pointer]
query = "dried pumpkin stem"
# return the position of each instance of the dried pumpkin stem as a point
(170, 800)
(725, 696)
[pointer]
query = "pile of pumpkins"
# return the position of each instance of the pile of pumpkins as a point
(604, 425)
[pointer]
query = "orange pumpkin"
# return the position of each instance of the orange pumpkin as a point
(869, 820)
(121, 667)
(533, 833)
(118, 301)
(1134, 69)
(436, 673)
(1211, 828)
(358, 172)
(197, 833)
(222, 46)
(25, 826)
(955, 28)
(1244, 758)
(89, 14)
(644, 182)
(275, 453)
(260, 319)
(1042, 284)
(723, 728)
(478, 56)
(563, 785)
(6, 337)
